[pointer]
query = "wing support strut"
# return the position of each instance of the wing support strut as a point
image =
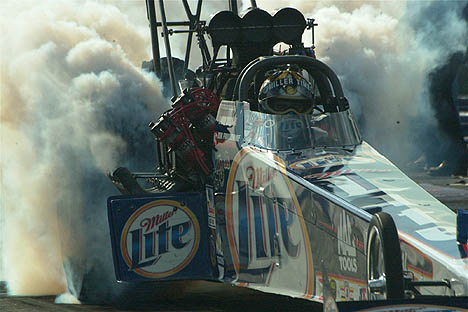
(151, 13)
(170, 64)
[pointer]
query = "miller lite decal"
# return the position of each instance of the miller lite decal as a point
(267, 235)
(160, 239)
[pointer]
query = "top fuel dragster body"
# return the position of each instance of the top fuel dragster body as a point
(298, 206)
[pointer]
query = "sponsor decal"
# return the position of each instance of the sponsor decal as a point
(321, 161)
(328, 174)
(346, 245)
(265, 224)
(211, 208)
(261, 224)
(342, 287)
(259, 177)
(330, 160)
(347, 292)
(160, 239)
(218, 174)
(363, 293)
(333, 288)
(329, 227)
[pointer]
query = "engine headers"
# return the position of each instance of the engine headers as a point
(188, 127)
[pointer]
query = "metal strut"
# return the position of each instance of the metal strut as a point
(151, 12)
(233, 7)
(194, 21)
(170, 64)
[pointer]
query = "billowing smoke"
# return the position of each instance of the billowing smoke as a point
(74, 105)
(383, 52)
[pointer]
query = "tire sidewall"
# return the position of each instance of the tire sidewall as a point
(390, 243)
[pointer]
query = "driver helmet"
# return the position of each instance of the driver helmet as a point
(286, 91)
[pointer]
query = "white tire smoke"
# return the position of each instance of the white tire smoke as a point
(74, 105)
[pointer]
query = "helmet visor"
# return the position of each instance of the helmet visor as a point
(283, 106)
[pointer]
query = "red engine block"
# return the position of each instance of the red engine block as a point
(183, 127)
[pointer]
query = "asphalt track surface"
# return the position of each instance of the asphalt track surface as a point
(219, 297)
(452, 191)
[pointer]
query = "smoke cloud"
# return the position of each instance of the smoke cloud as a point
(74, 105)
(383, 52)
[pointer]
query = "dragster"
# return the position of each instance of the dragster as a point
(292, 202)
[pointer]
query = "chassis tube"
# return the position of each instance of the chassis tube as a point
(170, 64)
(154, 36)
(233, 7)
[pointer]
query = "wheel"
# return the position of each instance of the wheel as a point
(384, 264)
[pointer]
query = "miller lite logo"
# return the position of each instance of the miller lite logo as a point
(266, 232)
(160, 239)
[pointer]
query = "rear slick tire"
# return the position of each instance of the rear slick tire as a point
(384, 259)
